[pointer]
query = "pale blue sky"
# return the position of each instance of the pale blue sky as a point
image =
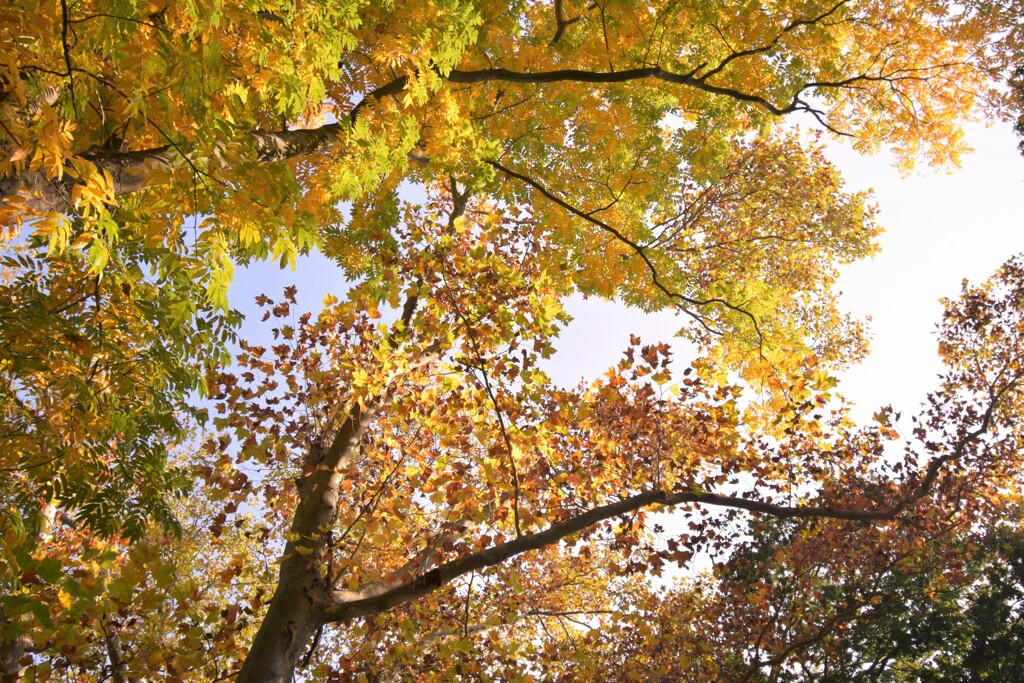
(941, 227)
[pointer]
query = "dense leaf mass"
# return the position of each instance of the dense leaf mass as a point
(392, 488)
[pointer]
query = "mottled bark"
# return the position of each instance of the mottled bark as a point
(115, 654)
(295, 610)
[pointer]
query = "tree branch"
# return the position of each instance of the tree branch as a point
(381, 598)
(609, 77)
(133, 171)
(639, 251)
(561, 23)
(793, 25)
(359, 605)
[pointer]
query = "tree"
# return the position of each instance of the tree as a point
(814, 595)
(423, 486)
(967, 630)
(950, 614)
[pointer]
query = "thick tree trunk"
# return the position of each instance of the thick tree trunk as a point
(285, 632)
(130, 171)
(295, 611)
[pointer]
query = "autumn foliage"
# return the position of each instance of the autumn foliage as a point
(393, 488)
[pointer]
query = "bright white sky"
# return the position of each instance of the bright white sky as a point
(941, 227)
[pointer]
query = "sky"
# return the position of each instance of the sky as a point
(941, 226)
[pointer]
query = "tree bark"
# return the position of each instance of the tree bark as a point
(133, 171)
(115, 653)
(302, 602)
(295, 614)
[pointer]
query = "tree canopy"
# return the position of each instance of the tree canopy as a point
(394, 489)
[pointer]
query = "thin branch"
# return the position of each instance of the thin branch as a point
(562, 23)
(66, 46)
(312, 648)
(501, 427)
(430, 638)
(118, 17)
(793, 25)
(460, 200)
(935, 465)
(465, 619)
(639, 251)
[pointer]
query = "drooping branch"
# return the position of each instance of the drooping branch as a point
(431, 581)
